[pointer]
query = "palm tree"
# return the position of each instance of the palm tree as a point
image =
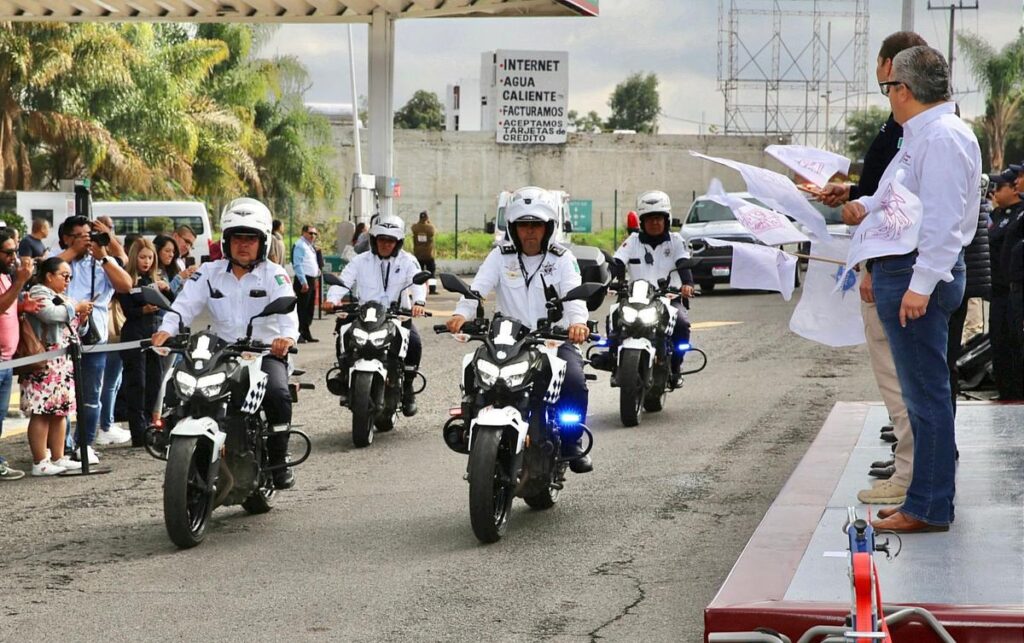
(1001, 74)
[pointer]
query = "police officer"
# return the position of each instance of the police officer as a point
(380, 275)
(236, 288)
(519, 269)
(654, 253)
(1004, 232)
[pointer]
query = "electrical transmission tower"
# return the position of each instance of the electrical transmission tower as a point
(793, 67)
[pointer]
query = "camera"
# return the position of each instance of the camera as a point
(100, 238)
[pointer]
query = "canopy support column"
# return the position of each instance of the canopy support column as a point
(381, 104)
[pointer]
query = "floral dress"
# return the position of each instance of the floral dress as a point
(51, 389)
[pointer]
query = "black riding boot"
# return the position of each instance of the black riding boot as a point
(580, 463)
(408, 396)
(277, 450)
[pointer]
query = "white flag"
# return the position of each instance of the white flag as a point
(769, 226)
(892, 228)
(778, 193)
(827, 314)
(817, 166)
(757, 267)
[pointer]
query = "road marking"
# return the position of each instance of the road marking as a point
(712, 324)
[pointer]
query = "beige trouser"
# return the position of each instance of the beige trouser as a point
(974, 324)
(889, 386)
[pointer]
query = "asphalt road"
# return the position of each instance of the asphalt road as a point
(375, 544)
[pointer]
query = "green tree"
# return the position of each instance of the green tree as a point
(862, 128)
(1001, 75)
(592, 122)
(423, 111)
(635, 104)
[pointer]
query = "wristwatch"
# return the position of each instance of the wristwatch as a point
(105, 260)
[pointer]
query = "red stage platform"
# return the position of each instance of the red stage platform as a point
(792, 574)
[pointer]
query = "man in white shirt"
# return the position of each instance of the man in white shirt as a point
(916, 293)
(382, 275)
(519, 270)
(307, 273)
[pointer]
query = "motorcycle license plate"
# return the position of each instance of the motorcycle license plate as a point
(720, 271)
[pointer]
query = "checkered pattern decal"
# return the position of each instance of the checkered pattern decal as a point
(254, 397)
(557, 377)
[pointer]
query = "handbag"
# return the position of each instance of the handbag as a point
(90, 335)
(28, 345)
(115, 321)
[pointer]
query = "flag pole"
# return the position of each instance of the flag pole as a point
(837, 262)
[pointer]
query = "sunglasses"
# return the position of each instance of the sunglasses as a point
(885, 87)
(9, 252)
(66, 275)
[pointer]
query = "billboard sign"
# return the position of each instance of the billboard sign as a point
(531, 96)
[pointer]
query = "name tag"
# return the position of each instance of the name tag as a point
(257, 293)
(421, 238)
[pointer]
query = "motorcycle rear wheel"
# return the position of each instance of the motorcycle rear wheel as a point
(361, 405)
(654, 400)
(631, 390)
(188, 499)
(490, 493)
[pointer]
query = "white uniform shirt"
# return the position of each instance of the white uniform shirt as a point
(502, 271)
(942, 166)
(663, 257)
(376, 279)
(233, 301)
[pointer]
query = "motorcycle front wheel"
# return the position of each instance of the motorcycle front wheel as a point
(188, 499)
(361, 405)
(631, 387)
(490, 490)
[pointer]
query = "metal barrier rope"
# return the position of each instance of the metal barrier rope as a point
(48, 355)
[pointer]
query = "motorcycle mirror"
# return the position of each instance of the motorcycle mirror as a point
(332, 279)
(152, 296)
(421, 277)
(279, 306)
(677, 223)
(584, 291)
(453, 284)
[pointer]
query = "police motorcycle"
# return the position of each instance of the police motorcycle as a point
(514, 448)
(216, 450)
(640, 324)
(370, 347)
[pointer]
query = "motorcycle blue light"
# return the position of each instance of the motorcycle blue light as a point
(603, 342)
(569, 417)
(682, 348)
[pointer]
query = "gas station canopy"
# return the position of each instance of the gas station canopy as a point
(357, 11)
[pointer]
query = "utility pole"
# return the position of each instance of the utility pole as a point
(907, 24)
(952, 7)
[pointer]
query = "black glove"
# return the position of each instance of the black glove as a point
(617, 268)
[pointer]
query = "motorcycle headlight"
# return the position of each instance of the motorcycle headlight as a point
(377, 337)
(185, 383)
(629, 315)
(360, 335)
(488, 372)
(648, 315)
(514, 374)
(210, 386)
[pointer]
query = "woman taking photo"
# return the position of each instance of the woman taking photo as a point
(142, 372)
(167, 264)
(48, 395)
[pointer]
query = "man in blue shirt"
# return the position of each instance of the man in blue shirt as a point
(307, 273)
(95, 276)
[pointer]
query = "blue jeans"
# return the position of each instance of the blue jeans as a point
(88, 414)
(111, 385)
(919, 351)
(6, 382)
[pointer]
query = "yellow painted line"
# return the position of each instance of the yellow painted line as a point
(713, 324)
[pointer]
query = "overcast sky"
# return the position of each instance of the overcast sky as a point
(677, 40)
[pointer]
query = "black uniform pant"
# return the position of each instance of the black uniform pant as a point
(140, 387)
(414, 353)
(1007, 352)
(680, 335)
(429, 265)
(277, 404)
(574, 395)
(306, 305)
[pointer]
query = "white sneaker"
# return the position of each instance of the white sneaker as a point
(68, 464)
(46, 468)
(93, 458)
(113, 435)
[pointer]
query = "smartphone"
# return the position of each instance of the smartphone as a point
(808, 189)
(190, 261)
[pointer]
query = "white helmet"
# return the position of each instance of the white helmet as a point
(388, 226)
(653, 201)
(247, 216)
(532, 204)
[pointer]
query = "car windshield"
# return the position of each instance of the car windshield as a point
(706, 210)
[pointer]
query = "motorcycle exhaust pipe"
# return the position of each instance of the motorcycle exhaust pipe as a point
(229, 483)
(454, 433)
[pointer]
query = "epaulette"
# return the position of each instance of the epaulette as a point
(507, 248)
(556, 249)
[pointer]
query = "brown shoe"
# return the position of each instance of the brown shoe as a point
(901, 523)
(886, 512)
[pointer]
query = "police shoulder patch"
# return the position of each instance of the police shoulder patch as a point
(507, 249)
(556, 250)
(196, 276)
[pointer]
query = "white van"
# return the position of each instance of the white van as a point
(134, 216)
